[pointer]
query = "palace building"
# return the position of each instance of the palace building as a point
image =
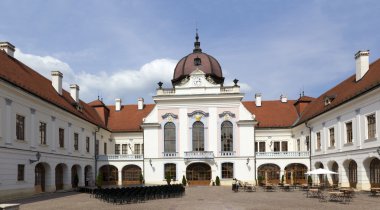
(198, 128)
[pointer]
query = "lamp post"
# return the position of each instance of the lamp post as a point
(38, 156)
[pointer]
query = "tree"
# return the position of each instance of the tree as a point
(184, 182)
(168, 178)
(309, 180)
(99, 180)
(217, 181)
(141, 178)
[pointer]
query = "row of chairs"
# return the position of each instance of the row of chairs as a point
(138, 194)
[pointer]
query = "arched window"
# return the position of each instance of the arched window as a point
(227, 170)
(353, 173)
(375, 173)
(198, 136)
(227, 136)
(335, 177)
(169, 137)
(170, 170)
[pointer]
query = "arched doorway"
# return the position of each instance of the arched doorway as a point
(268, 173)
(198, 174)
(59, 175)
(131, 175)
(75, 172)
(88, 176)
(335, 177)
(110, 174)
(295, 173)
(353, 174)
(374, 175)
(39, 178)
(320, 176)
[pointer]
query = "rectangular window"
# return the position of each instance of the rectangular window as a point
(20, 172)
(96, 147)
(349, 132)
(61, 137)
(171, 171)
(371, 120)
(262, 146)
(318, 140)
(284, 146)
(276, 146)
(298, 145)
(105, 148)
(227, 170)
(332, 137)
(76, 141)
(42, 133)
(87, 144)
(137, 149)
(124, 149)
(20, 127)
(117, 149)
(308, 143)
(142, 148)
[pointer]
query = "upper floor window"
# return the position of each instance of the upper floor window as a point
(169, 137)
(371, 121)
(197, 61)
(20, 127)
(318, 140)
(298, 145)
(42, 133)
(198, 136)
(284, 146)
(76, 141)
(117, 149)
(260, 146)
(308, 143)
(349, 132)
(105, 148)
(96, 147)
(332, 137)
(227, 136)
(227, 170)
(87, 144)
(137, 148)
(276, 146)
(61, 137)
(171, 171)
(124, 149)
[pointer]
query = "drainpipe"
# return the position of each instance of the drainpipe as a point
(96, 155)
(309, 144)
(254, 152)
(143, 156)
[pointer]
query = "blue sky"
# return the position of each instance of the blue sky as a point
(121, 49)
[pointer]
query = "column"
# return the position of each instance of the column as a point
(324, 139)
(339, 137)
(32, 126)
(120, 178)
(8, 122)
(358, 135)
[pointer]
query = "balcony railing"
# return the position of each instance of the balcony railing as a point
(199, 155)
(282, 154)
(170, 154)
(120, 157)
(227, 153)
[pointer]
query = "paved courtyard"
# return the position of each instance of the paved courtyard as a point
(202, 198)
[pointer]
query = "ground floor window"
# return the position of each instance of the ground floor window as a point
(352, 174)
(375, 173)
(227, 170)
(20, 172)
(171, 171)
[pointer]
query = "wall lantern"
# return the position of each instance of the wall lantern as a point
(38, 156)
(150, 162)
(248, 161)
(378, 150)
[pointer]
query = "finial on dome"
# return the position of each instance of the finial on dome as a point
(197, 44)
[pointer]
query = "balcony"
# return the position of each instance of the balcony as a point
(170, 154)
(120, 157)
(199, 155)
(227, 153)
(292, 154)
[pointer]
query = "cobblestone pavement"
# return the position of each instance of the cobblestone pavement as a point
(203, 198)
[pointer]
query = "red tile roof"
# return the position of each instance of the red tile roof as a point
(344, 92)
(18, 74)
(128, 119)
(273, 114)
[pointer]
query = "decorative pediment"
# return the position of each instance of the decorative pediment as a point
(197, 113)
(169, 115)
(227, 114)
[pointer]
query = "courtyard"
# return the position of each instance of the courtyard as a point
(202, 198)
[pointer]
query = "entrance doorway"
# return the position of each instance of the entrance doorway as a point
(39, 174)
(59, 177)
(198, 174)
(131, 175)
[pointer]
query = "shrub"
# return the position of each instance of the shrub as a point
(141, 178)
(184, 182)
(217, 181)
(99, 180)
(309, 180)
(168, 178)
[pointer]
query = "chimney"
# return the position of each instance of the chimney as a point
(57, 81)
(283, 99)
(8, 48)
(74, 92)
(362, 63)
(118, 104)
(140, 104)
(258, 99)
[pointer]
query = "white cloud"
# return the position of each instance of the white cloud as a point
(125, 84)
